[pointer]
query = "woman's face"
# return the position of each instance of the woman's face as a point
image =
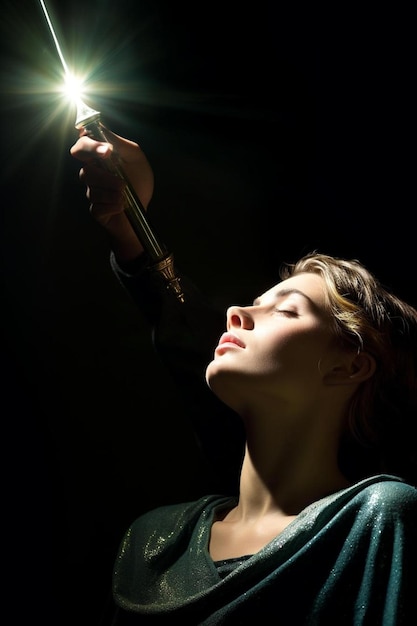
(278, 350)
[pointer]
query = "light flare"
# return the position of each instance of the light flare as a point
(54, 37)
(73, 87)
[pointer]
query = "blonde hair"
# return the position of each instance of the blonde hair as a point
(382, 419)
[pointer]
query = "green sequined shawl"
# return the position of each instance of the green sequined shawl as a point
(347, 559)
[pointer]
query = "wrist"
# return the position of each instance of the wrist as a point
(130, 266)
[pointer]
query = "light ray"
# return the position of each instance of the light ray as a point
(54, 37)
(73, 85)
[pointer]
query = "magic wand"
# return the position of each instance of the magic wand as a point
(162, 262)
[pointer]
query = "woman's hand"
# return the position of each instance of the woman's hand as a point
(105, 189)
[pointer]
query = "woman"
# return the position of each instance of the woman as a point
(321, 370)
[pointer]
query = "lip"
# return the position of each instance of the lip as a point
(229, 340)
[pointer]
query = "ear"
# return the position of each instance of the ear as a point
(355, 369)
(363, 367)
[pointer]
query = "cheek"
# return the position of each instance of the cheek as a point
(296, 350)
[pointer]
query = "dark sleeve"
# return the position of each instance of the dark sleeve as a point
(184, 336)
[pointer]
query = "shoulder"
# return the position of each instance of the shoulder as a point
(178, 515)
(169, 528)
(387, 496)
(387, 487)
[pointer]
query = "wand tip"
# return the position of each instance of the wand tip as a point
(85, 114)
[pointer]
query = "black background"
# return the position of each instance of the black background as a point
(273, 129)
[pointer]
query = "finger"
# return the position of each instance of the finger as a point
(129, 151)
(95, 176)
(113, 197)
(87, 149)
(104, 212)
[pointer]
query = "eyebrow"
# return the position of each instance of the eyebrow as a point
(287, 292)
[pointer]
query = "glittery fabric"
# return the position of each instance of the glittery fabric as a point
(348, 559)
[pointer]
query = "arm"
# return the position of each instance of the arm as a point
(184, 334)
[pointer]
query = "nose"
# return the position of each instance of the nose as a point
(239, 317)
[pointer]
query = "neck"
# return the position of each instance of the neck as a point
(288, 475)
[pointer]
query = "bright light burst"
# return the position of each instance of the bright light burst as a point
(73, 87)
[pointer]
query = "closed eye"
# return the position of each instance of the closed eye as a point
(287, 312)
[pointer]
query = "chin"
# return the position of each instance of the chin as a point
(220, 383)
(215, 373)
